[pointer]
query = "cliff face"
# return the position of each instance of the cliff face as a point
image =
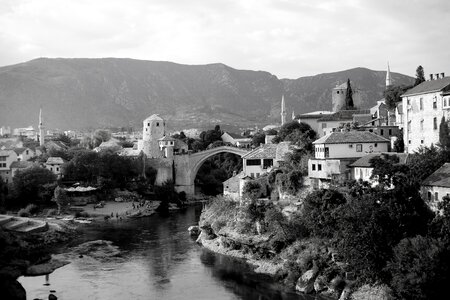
(111, 92)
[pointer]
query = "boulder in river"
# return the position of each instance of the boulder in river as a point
(194, 230)
(305, 283)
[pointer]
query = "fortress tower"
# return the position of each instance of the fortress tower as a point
(338, 97)
(153, 130)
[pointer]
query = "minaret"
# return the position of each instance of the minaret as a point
(283, 111)
(41, 129)
(388, 77)
(293, 115)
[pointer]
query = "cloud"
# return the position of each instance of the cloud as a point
(289, 38)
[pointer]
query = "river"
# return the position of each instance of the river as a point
(159, 261)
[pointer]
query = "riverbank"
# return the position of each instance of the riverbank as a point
(272, 241)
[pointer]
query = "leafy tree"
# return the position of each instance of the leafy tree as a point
(420, 269)
(444, 134)
(271, 132)
(399, 144)
(420, 76)
(61, 199)
(392, 94)
(300, 134)
(388, 171)
(319, 209)
(258, 139)
(28, 183)
(290, 182)
(252, 190)
(101, 136)
(349, 105)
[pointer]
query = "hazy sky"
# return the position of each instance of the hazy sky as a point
(289, 38)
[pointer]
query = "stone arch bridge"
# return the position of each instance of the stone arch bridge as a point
(185, 167)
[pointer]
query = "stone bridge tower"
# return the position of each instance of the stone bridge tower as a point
(153, 130)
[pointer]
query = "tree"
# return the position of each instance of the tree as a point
(444, 134)
(349, 105)
(399, 144)
(28, 183)
(392, 95)
(101, 136)
(61, 199)
(258, 139)
(420, 76)
(252, 190)
(300, 134)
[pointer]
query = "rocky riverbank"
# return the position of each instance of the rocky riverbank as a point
(310, 266)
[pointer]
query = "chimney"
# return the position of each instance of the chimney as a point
(442, 75)
(437, 75)
(234, 173)
(431, 77)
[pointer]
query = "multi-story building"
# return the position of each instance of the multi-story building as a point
(7, 157)
(424, 106)
(334, 153)
(436, 186)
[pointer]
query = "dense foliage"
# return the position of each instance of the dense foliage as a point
(32, 185)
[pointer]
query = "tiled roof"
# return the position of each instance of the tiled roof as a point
(166, 138)
(365, 160)
(263, 151)
(314, 115)
(234, 135)
(429, 86)
(351, 137)
(19, 150)
(344, 115)
(55, 161)
(439, 178)
(154, 117)
(21, 164)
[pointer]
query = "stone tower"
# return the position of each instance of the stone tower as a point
(388, 77)
(338, 97)
(283, 111)
(41, 129)
(153, 130)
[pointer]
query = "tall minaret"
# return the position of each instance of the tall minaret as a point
(41, 129)
(388, 77)
(283, 111)
(293, 115)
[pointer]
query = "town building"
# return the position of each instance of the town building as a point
(436, 186)
(20, 166)
(7, 157)
(334, 152)
(236, 140)
(262, 159)
(362, 168)
(55, 164)
(312, 119)
(153, 130)
(423, 108)
(332, 122)
(24, 154)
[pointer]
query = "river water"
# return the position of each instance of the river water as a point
(159, 261)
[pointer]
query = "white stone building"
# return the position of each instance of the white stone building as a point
(55, 164)
(334, 153)
(7, 157)
(236, 140)
(423, 108)
(436, 186)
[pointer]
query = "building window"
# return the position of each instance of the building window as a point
(445, 101)
(267, 163)
(376, 144)
(421, 103)
(252, 175)
(434, 102)
(253, 162)
(421, 141)
(57, 169)
(327, 152)
(408, 101)
(409, 126)
(319, 167)
(435, 125)
(157, 124)
(436, 196)
(358, 147)
(381, 132)
(3, 165)
(148, 124)
(313, 167)
(257, 175)
(390, 131)
(370, 130)
(429, 196)
(409, 142)
(26, 152)
(324, 125)
(2, 158)
(146, 129)
(421, 124)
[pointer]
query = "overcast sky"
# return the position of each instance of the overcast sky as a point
(289, 38)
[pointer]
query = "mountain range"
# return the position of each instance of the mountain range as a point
(81, 93)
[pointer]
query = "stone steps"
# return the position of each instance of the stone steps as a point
(20, 224)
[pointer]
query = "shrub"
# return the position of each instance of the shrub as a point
(23, 213)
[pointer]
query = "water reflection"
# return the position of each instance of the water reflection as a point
(159, 261)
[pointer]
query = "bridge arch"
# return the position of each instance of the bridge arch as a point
(195, 161)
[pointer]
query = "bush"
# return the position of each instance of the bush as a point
(23, 213)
